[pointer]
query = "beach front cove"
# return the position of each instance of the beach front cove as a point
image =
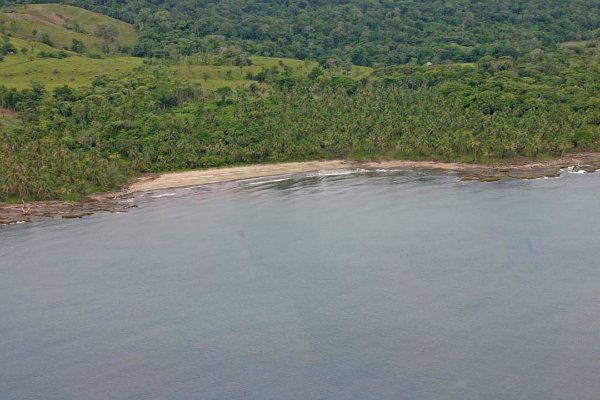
(342, 284)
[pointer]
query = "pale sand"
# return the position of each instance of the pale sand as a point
(216, 175)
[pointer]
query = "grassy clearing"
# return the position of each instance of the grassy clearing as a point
(20, 71)
(213, 77)
(52, 19)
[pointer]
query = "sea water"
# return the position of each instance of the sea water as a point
(368, 285)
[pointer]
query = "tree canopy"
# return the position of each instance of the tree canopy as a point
(365, 32)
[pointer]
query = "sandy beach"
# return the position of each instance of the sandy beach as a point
(216, 175)
(113, 201)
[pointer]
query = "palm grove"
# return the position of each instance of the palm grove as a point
(496, 91)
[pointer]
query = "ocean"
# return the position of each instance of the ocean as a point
(353, 285)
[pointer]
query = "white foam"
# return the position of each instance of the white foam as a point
(329, 173)
(158, 196)
(389, 170)
(326, 172)
(270, 181)
(570, 170)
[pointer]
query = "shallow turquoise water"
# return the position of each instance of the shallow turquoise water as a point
(363, 286)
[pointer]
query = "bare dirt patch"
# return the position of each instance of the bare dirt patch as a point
(55, 18)
(8, 117)
(8, 113)
(25, 17)
(45, 17)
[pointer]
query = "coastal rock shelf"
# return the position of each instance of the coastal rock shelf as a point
(34, 211)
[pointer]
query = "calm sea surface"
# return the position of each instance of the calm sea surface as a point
(364, 286)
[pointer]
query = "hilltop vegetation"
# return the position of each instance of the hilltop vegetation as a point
(58, 25)
(55, 45)
(363, 32)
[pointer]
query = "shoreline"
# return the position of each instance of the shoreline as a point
(522, 169)
(113, 201)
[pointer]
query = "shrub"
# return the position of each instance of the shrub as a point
(45, 38)
(7, 48)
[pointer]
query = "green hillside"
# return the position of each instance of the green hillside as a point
(80, 68)
(63, 23)
(19, 71)
(363, 32)
(38, 42)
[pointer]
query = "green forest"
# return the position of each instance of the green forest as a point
(197, 84)
(365, 32)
